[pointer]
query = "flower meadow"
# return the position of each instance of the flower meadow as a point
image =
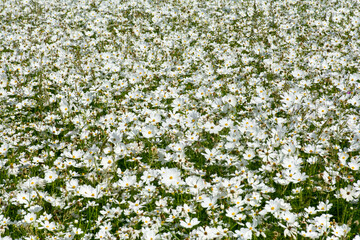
(179, 119)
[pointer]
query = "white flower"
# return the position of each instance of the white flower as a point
(322, 110)
(107, 162)
(288, 149)
(195, 183)
(226, 123)
(210, 154)
(102, 234)
(149, 234)
(35, 208)
(343, 156)
(77, 231)
(149, 131)
(72, 185)
(311, 210)
(297, 73)
(354, 77)
(50, 176)
(249, 154)
(127, 181)
(232, 212)
(340, 231)
(289, 217)
(51, 226)
(189, 223)
(324, 206)
(273, 206)
(178, 147)
(106, 227)
(357, 237)
(76, 154)
(208, 202)
(354, 165)
(30, 218)
(23, 198)
(347, 193)
(171, 177)
(88, 191)
(64, 106)
(243, 233)
(153, 118)
(230, 99)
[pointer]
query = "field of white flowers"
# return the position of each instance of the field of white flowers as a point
(179, 119)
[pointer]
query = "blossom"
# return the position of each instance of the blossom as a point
(324, 206)
(289, 217)
(208, 202)
(273, 207)
(77, 231)
(347, 193)
(230, 99)
(249, 154)
(322, 110)
(30, 218)
(149, 131)
(72, 185)
(51, 226)
(288, 149)
(76, 154)
(107, 162)
(65, 106)
(232, 212)
(127, 181)
(196, 184)
(189, 223)
(149, 234)
(171, 177)
(50, 176)
(88, 191)
(354, 165)
(4, 149)
(210, 154)
(102, 234)
(244, 233)
(297, 73)
(343, 156)
(340, 231)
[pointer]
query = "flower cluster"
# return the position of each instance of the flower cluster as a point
(179, 119)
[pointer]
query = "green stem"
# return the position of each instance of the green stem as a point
(344, 214)
(90, 216)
